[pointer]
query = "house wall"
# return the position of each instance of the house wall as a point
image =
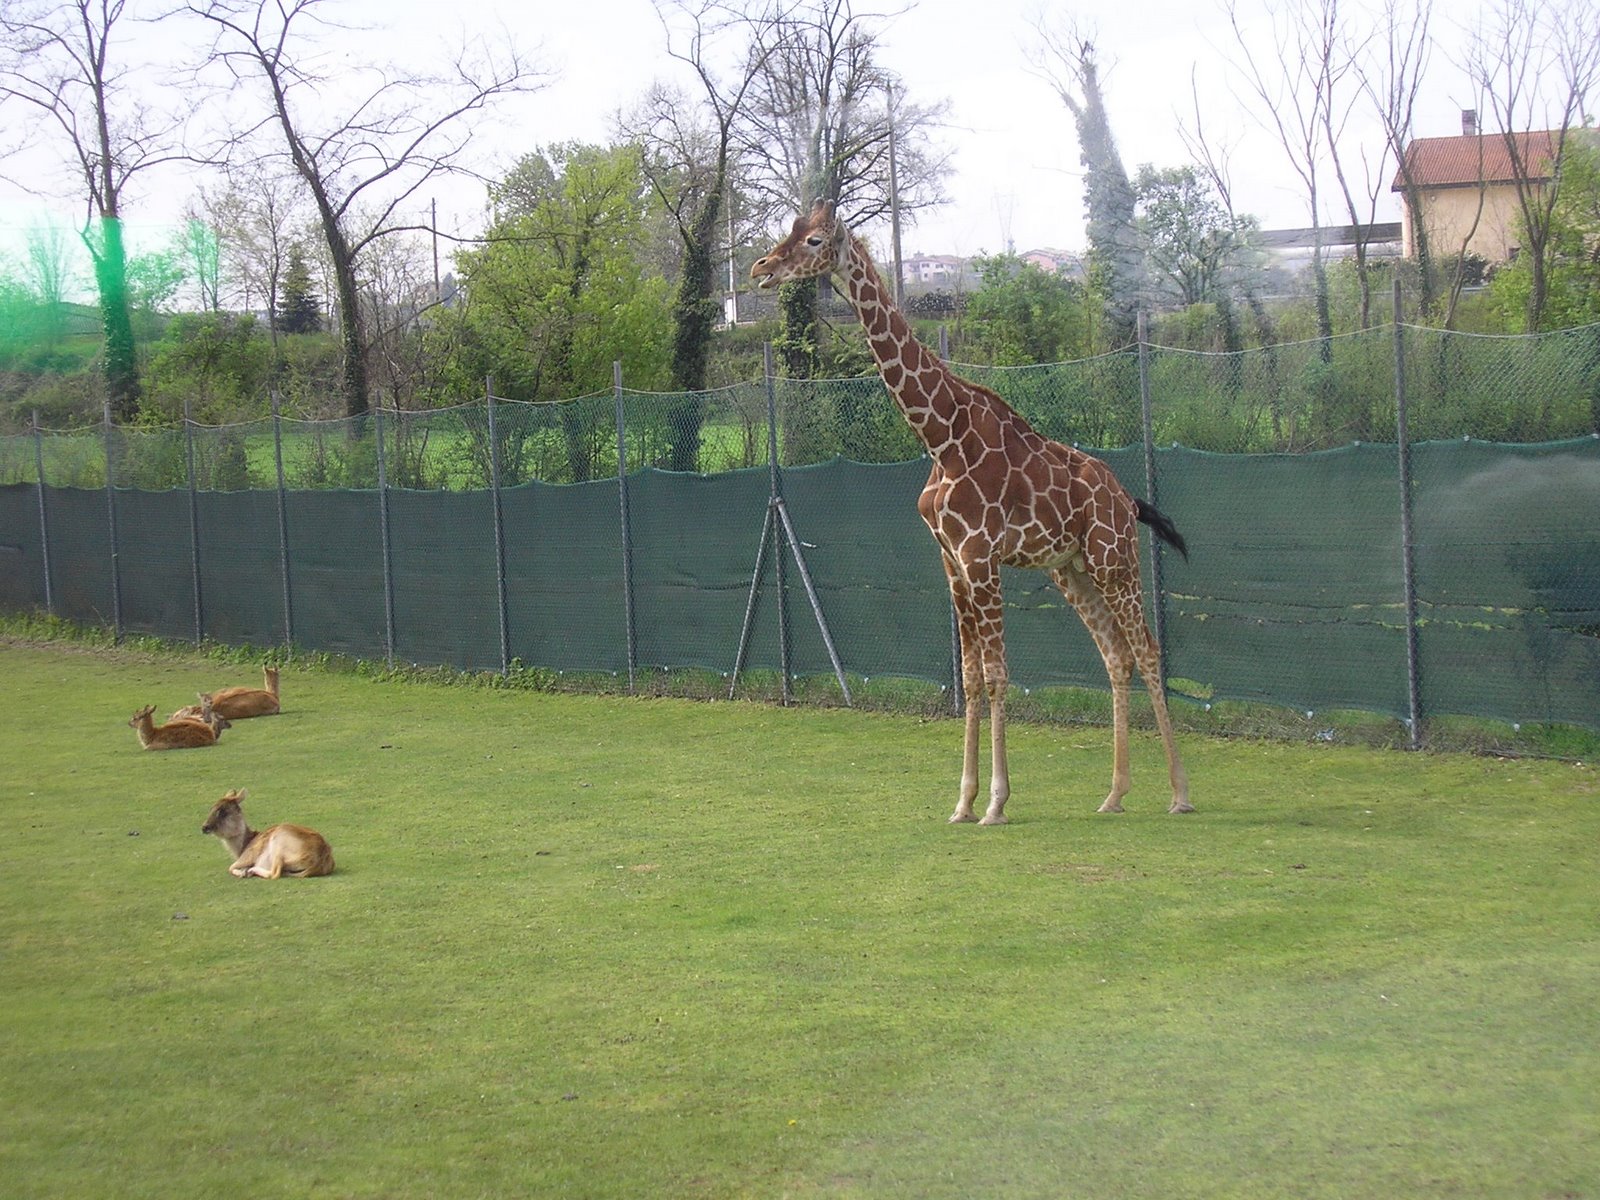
(1451, 212)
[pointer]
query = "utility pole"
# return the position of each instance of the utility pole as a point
(894, 206)
(733, 284)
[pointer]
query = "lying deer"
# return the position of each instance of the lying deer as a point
(278, 850)
(174, 735)
(202, 712)
(237, 702)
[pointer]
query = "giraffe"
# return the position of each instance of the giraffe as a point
(1001, 493)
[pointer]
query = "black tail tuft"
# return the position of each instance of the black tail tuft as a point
(1161, 526)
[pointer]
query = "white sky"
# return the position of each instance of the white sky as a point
(1015, 165)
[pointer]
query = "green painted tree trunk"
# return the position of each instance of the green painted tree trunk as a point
(121, 356)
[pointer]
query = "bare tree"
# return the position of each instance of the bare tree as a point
(1340, 47)
(1393, 83)
(1293, 86)
(64, 74)
(255, 215)
(818, 127)
(690, 152)
(362, 159)
(1069, 63)
(1536, 62)
(47, 262)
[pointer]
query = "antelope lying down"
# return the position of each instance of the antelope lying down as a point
(202, 712)
(177, 734)
(237, 702)
(277, 850)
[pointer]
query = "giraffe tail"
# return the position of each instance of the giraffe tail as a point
(1161, 526)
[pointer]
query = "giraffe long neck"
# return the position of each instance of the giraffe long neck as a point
(919, 382)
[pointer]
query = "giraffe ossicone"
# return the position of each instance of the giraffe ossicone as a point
(1000, 493)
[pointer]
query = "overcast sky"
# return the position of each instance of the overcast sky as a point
(1015, 171)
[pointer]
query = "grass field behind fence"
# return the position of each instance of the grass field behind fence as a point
(608, 947)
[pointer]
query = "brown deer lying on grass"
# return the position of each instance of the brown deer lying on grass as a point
(278, 850)
(237, 702)
(174, 735)
(202, 712)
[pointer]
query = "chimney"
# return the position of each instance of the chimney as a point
(1469, 122)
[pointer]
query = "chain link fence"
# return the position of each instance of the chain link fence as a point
(1400, 522)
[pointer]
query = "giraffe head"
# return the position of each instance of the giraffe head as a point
(817, 246)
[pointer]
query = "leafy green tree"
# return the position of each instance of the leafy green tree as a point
(217, 362)
(1021, 315)
(1193, 245)
(559, 291)
(1572, 274)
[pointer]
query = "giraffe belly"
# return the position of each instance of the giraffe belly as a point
(1047, 558)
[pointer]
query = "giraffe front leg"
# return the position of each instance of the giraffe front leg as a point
(990, 616)
(971, 686)
(969, 764)
(1121, 776)
(999, 772)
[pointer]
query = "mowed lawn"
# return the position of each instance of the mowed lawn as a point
(599, 947)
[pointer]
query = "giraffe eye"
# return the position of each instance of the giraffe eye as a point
(814, 240)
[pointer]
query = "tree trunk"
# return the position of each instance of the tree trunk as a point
(355, 358)
(797, 337)
(121, 362)
(694, 316)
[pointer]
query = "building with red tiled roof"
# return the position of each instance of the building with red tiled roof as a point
(1466, 188)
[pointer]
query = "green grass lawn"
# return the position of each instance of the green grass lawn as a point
(607, 947)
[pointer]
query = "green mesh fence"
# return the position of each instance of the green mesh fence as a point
(388, 538)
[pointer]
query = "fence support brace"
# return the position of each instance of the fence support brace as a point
(778, 517)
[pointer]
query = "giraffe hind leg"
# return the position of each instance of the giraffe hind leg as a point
(1098, 619)
(1126, 603)
(972, 687)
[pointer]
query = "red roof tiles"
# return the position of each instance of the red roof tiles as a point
(1468, 159)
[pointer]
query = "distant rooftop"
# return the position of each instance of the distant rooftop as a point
(1472, 158)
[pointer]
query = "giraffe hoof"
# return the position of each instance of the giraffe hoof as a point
(1112, 805)
(1181, 806)
(993, 819)
(962, 818)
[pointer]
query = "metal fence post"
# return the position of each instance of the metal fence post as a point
(1158, 603)
(194, 522)
(1408, 564)
(44, 520)
(958, 687)
(627, 528)
(499, 531)
(383, 537)
(283, 524)
(111, 523)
